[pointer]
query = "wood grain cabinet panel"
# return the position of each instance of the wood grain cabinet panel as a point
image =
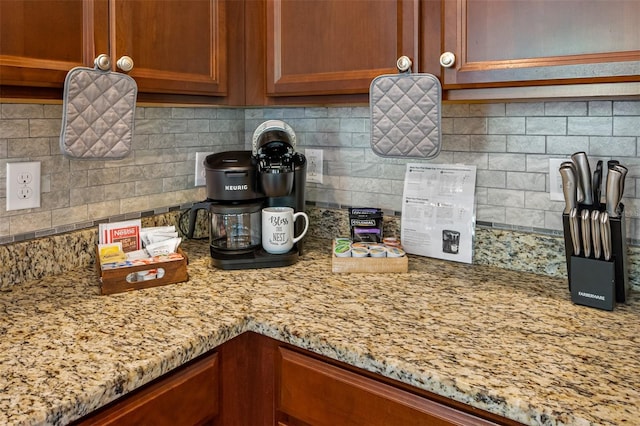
(536, 43)
(177, 46)
(325, 47)
(189, 396)
(41, 40)
(316, 393)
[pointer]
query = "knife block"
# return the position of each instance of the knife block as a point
(588, 274)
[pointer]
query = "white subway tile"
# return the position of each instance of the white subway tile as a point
(491, 178)
(526, 181)
(470, 126)
(14, 128)
(546, 126)
(525, 217)
(526, 144)
(626, 126)
(505, 197)
(567, 144)
(492, 214)
(600, 108)
(626, 108)
(509, 162)
(565, 109)
(21, 111)
(591, 126)
(488, 143)
(506, 125)
(525, 109)
(487, 110)
(609, 146)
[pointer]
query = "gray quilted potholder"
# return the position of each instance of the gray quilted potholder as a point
(98, 114)
(405, 115)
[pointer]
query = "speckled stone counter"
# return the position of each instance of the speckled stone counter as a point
(508, 342)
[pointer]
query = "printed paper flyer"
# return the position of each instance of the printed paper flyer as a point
(438, 211)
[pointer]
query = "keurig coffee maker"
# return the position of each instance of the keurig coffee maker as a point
(241, 183)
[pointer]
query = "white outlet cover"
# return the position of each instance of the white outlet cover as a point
(555, 180)
(314, 165)
(23, 185)
(200, 177)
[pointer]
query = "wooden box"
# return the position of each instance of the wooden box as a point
(370, 265)
(127, 278)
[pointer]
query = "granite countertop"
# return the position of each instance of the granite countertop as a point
(507, 342)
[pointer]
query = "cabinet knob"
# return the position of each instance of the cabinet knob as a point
(404, 64)
(103, 62)
(125, 63)
(447, 59)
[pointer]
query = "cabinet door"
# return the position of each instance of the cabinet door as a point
(321, 47)
(533, 42)
(41, 40)
(189, 396)
(177, 46)
(316, 393)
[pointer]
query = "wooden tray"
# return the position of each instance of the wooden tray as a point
(115, 280)
(370, 265)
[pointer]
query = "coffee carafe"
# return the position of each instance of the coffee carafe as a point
(239, 184)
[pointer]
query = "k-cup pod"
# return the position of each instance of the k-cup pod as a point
(342, 250)
(395, 252)
(359, 252)
(378, 251)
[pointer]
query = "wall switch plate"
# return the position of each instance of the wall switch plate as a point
(201, 179)
(314, 165)
(23, 185)
(555, 180)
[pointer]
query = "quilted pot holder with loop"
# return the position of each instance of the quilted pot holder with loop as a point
(98, 114)
(405, 115)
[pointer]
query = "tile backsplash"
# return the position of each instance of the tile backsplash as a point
(510, 143)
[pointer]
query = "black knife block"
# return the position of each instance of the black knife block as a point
(589, 274)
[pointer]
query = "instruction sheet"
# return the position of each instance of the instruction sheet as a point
(438, 211)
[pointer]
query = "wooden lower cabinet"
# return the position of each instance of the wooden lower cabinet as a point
(253, 380)
(319, 393)
(187, 396)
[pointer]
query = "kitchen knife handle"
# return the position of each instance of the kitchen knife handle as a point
(597, 184)
(574, 231)
(595, 233)
(586, 232)
(579, 193)
(569, 188)
(623, 175)
(605, 233)
(584, 175)
(613, 192)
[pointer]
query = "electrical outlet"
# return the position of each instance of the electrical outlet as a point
(23, 185)
(200, 170)
(555, 180)
(314, 165)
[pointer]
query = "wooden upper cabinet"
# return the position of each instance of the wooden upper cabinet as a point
(177, 46)
(41, 40)
(329, 47)
(532, 42)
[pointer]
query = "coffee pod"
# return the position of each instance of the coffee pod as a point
(359, 251)
(378, 251)
(342, 250)
(395, 252)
